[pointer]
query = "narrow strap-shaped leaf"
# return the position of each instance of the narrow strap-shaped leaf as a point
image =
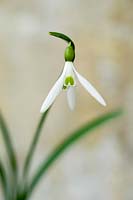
(4, 181)
(8, 144)
(62, 36)
(3, 178)
(75, 136)
(34, 143)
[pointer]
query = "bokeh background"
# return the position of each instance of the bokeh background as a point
(100, 166)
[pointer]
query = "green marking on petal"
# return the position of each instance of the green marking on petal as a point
(69, 80)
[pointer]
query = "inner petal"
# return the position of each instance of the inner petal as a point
(69, 78)
(71, 97)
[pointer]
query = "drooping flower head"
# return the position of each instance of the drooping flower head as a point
(68, 78)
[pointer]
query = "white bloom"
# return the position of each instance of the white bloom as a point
(67, 81)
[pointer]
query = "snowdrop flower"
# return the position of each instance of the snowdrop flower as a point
(68, 79)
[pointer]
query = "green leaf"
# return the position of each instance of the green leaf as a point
(11, 156)
(4, 181)
(74, 137)
(34, 143)
(8, 145)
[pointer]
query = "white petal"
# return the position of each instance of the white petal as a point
(71, 97)
(87, 85)
(54, 92)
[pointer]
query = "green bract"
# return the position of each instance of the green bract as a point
(70, 50)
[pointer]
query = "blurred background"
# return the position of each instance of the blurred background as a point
(100, 166)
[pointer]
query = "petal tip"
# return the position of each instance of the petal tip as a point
(104, 103)
(43, 109)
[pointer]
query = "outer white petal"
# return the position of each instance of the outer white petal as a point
(54, 92)
(87, 85)
(71, 97)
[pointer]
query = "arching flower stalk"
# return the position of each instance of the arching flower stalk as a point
(68, 78)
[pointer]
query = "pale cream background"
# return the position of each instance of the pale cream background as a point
(99, 167)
